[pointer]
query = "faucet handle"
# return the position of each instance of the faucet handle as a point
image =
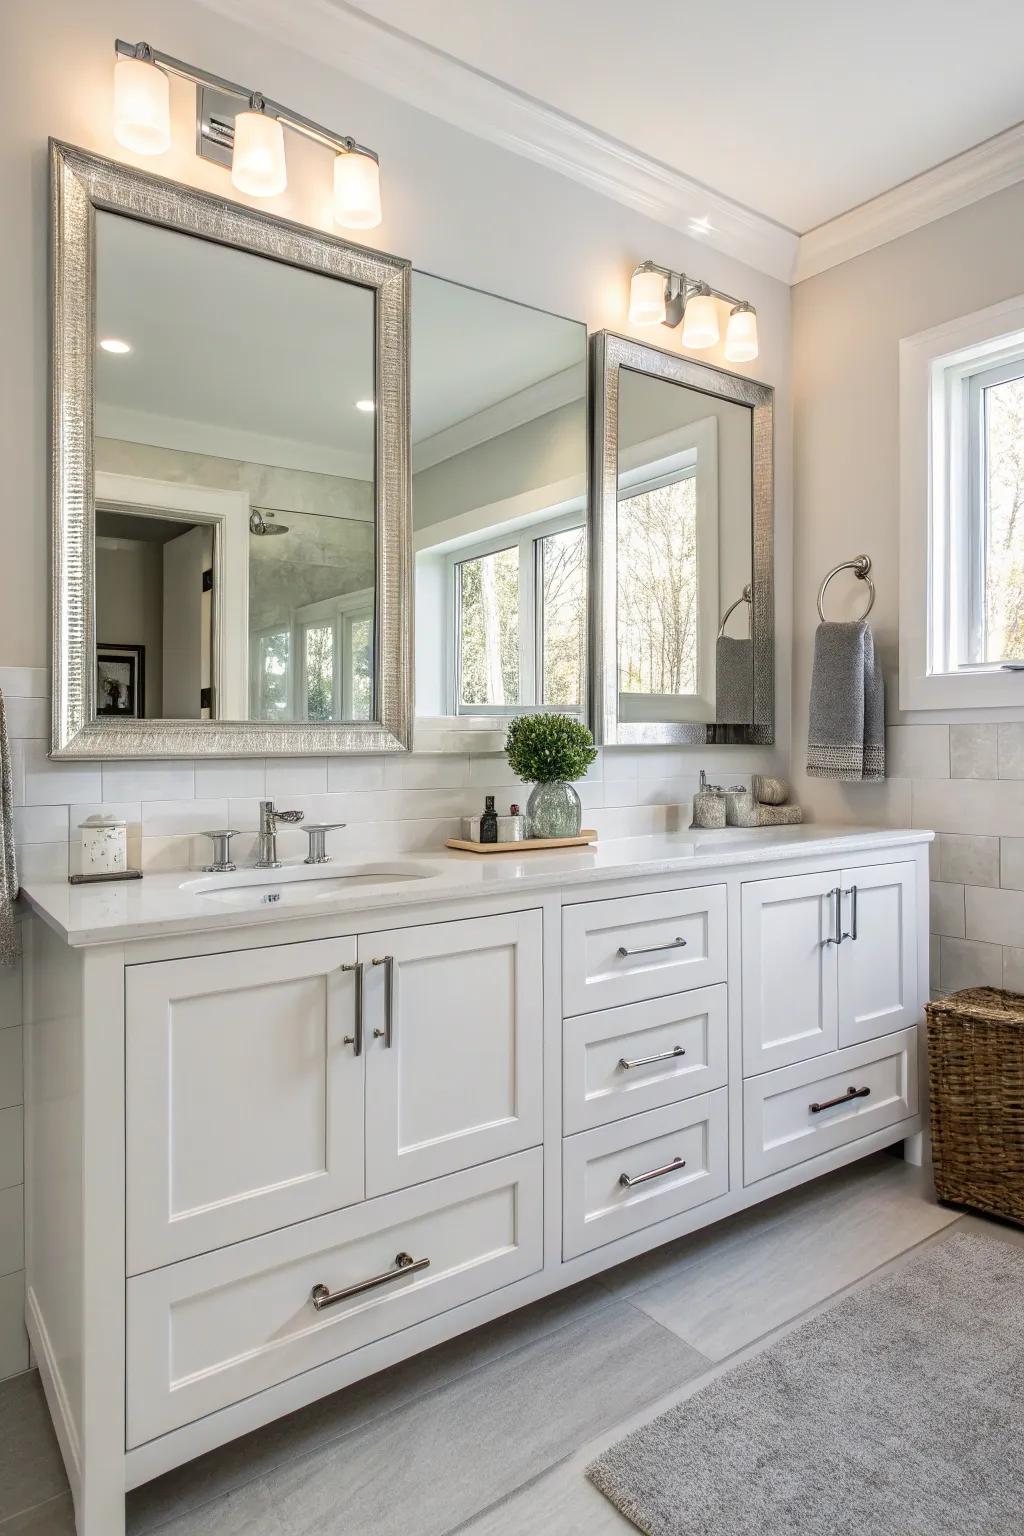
(317, 834)
(222, 861)
(289, 816)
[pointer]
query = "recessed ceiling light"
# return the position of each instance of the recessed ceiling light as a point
(113, 344)
(364, 405)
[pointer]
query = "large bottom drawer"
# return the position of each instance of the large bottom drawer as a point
(621, 1177)
(214, 1329)
(815, 1106)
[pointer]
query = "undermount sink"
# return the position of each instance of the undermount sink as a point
(298, 886)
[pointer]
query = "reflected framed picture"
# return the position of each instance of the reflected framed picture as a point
(121, 681)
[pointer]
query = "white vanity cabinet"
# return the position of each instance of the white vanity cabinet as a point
(268, 1155)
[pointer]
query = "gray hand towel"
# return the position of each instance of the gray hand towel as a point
(846, 739)
(734, 681)
(8, 869)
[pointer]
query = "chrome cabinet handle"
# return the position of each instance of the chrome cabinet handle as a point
(405, 1264)
(356, 1039)
(651, 949)
(836, 936)
(387, 1034)
(630, 1180)
(645, 1061)
(842, 1098)
(851, 891)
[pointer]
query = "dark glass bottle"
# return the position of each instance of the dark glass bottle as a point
(489, 822)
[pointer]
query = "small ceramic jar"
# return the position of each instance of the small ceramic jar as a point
(104, 845)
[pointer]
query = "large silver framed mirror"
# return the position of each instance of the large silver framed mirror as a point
(231, 543)
(499, 505)
(681, 530)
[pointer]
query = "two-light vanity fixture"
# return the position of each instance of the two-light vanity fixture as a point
(659, 296)
(250, 140)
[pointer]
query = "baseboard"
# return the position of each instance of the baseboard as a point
(55, 1392)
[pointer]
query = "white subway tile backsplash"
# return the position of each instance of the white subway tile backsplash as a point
(11, 1079)
(230, 778)
(12, 1230)
(1011, 751)
(12, 1160)
(156, 780)
(40, 823)
(442, 772)
(997, 916)
(28, 717)
(162, 854)
(917, 751)
(181, 818)
(25, 682)
(972, 751)
(947, 910)
(43, 861)
(47, 783)
(291, 776)
(13, 1338)
(356, 773)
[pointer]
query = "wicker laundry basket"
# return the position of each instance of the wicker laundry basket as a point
(976, 1067)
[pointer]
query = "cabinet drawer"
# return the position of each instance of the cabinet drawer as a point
(689, 1140)
(215, 1329)
(622, 1061)
(640, 947)
(798, 1112)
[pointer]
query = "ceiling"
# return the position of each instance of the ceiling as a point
(248, 358)
(798, 110)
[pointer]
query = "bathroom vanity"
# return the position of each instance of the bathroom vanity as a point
(286, 1127)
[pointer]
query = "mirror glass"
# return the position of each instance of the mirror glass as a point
(235, 559)
(499, 504)
(683, 554)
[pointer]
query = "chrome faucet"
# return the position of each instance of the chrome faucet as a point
(266, 855)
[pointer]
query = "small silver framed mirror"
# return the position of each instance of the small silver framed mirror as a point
(681, 538)
(231, 530)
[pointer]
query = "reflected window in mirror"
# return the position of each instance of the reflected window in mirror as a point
(499, 498)
(235, 461)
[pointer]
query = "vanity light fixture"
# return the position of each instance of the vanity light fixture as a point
(116, 345)
(659, 296)
(249, 138)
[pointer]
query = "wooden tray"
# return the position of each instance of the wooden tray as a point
(524, 844)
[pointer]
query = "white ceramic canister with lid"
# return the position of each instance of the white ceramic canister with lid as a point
(104, 845)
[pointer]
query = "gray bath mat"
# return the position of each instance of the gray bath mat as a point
(899, 1412)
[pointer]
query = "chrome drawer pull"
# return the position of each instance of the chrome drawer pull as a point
(629, 1180)
(844, 1098)
(851, 891)
(838, 935)
(651, 949)
(387, 1034)
(356, 1040)
(645, 1061)
(405, 1264)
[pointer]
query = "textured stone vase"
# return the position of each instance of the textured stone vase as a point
(553, 810)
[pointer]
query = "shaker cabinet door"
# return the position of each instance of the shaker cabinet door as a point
(454, 1063)
(878, 988)
(789, 970)
(244, 1096)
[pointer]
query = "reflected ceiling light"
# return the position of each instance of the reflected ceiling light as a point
(115, 345)
(365, 405)
(236, 127)
(659, 295)
(257, 158)
(741, 335)
(142, 104)
(647, 296)
(357, 189)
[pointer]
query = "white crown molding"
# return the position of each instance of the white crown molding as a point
(966, 179)
(346, 38)
(538, 399)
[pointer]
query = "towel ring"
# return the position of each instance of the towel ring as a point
(861, 567)
(746, 596)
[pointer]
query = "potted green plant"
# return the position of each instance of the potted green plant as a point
(548, 751)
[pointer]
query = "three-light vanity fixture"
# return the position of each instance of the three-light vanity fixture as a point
(249, 139)
(659, 296)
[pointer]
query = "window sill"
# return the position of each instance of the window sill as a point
(974, 689)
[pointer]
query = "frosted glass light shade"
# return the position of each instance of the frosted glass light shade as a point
(647, 298)
(357, 191)
(142, 107)
(257, 163)
(700, 322)
(741, 336)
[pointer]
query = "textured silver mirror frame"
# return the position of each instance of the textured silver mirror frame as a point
(610, 353)
(80, 184)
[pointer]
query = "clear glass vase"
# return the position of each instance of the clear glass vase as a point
(553, 810)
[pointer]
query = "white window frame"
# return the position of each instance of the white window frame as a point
(526, 539)
(942, 372)
(341, 613)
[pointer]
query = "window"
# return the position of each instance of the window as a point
(519, 620)
(657, 597)
(962, 513)
(320, 666)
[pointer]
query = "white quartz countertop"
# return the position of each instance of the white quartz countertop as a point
(183, 902)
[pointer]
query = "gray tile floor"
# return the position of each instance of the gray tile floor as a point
(488, 1435)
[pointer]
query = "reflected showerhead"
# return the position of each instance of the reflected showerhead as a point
(258, 524)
